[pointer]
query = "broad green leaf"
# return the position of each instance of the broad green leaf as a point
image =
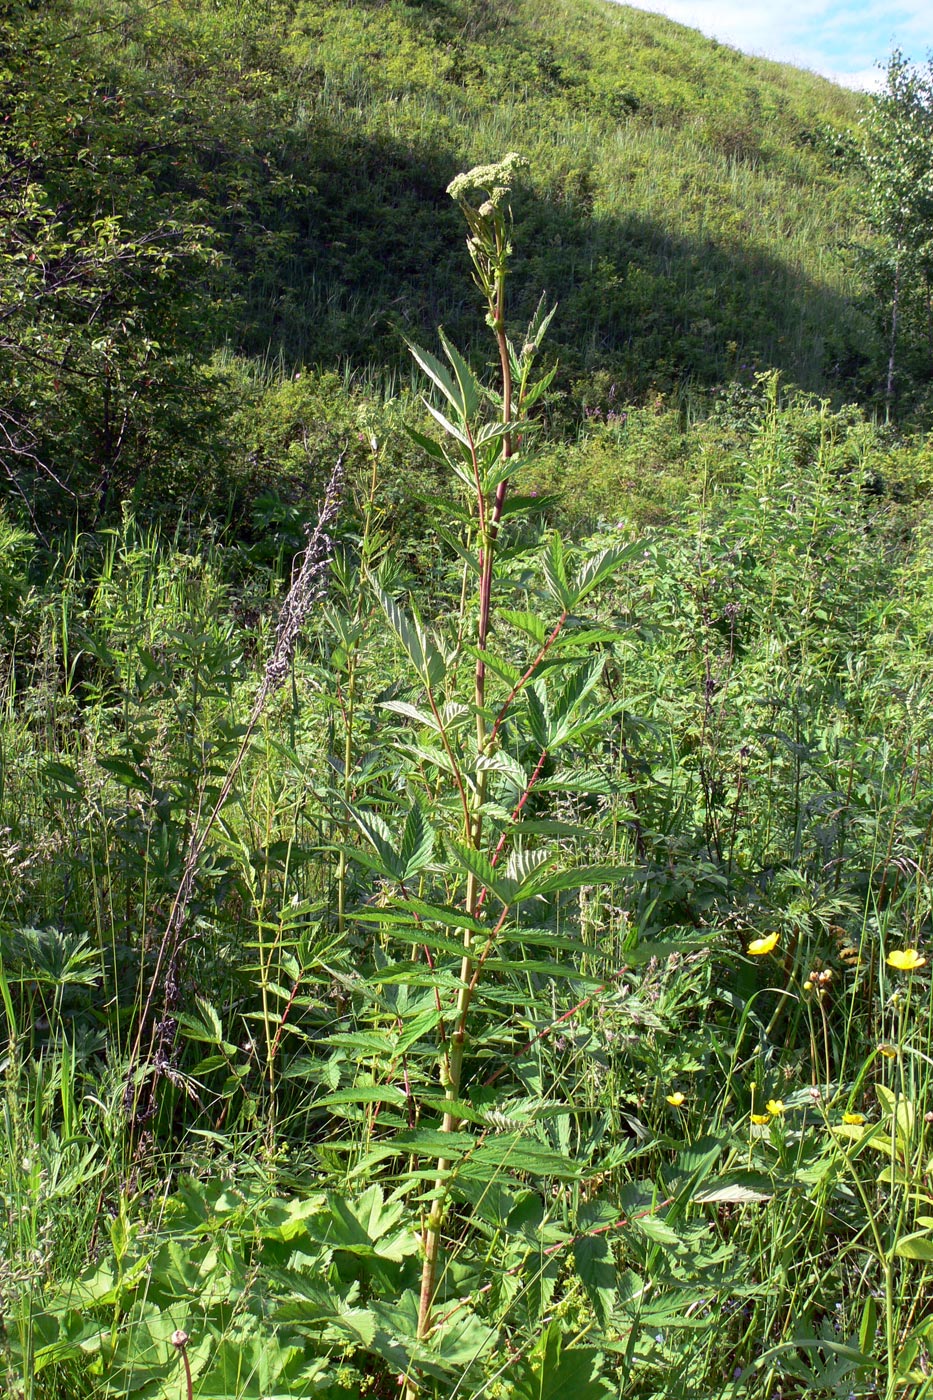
(365, 1093)
(448, 427)
(520, 1154)
(592, 1257)
(442, 914)
(731, 1192)
(408, 711)
(381, 839)
(428, 445)
(919, 1245)
(554, 568)
(543, 883)
(477, 864)
(655, 1228)
(528, 622)
(553, 1373)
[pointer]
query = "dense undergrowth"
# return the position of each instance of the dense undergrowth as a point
(504, 1005)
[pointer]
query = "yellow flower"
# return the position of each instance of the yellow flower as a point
(676, 1099)
(760, 1119)
(759, 946)
(853, 1118)
(775, 1107)
(906, 959)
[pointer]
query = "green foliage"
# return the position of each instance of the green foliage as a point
(898, 129)
(528, 1022)
(196, 175)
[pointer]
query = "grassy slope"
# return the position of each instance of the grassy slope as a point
(684, 203)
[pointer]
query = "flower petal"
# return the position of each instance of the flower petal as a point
(905, 959)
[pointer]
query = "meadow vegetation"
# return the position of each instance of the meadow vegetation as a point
(466, 794)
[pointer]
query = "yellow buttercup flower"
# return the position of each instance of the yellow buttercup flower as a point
(759, 946)
(906, 959)
(760, 1119)
(854, 1119)
(676, 1099)
(775, 1107)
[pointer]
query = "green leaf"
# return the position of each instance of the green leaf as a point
(442, 914)
(436, 372)
(528, 622)
(555, 573)
(593, 1261)
(573, 879)
(552, 1373)
(428, 445)
(417, 842)
(424, 655)
(469, 396)
(868, 1327)
(448, 427)
(596, 568)
(408, 711)
(916, 1246)
(519, 1154)
(477, 864)
(381, 839)
(365, 1093)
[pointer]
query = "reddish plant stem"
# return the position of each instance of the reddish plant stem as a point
(520, 684)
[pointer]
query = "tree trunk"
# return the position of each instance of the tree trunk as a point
(892, 346)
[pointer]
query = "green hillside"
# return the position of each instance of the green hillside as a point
(271, 179)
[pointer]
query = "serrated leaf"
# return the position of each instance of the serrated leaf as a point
(417, 842)
(428, 444)
(528, 622)
(402, 707)
(656, 1229)
(554, 568)
(733, 1192)
(366, 1093)
(448, 427)
(596, 568)
(595, 1267)
(435, 371)
(469, 389)
(380, 837)
(480, 867)
(520, 1154)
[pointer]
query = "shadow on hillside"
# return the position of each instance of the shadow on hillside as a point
(379, 255)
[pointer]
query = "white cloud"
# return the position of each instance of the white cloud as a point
(833, 37)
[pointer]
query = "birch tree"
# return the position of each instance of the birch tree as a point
(898, 131)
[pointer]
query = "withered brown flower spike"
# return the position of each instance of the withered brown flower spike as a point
(308, 588)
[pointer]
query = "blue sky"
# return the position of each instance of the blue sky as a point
(838, 38)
